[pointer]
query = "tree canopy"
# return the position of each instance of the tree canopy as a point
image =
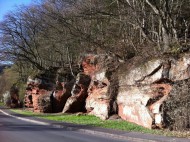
(55, 33)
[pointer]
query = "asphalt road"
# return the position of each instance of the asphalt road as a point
(14, 130)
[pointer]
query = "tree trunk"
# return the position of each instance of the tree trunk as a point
(165, 39)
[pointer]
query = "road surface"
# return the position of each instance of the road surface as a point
(14, 130)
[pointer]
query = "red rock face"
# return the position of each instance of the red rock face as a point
(28, 98)
(162, 93)
(41, 100)
(35, 102)
(35, 96)
(141, 105)
(132, 105)
(88, 65)
(135, 113)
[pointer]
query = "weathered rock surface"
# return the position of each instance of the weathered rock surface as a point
(35, 102)
(141, 105)
(180, 68)
(45, 103)
(98, 101)
(28, 103)
(101, 93)
(89, 64)
(76, 103)
(146, 72)
(132, 103)
(60, 95)
(136, 90)
(144, 87)
(41, 100)
(38, 95)
(50, 83)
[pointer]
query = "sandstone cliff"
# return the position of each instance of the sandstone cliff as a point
(140, 90)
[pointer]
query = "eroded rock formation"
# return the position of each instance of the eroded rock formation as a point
(146, 86)
(98, 101)
(103, 87)
(52, 86)
(61, 94)
(137, 90)
(76, 103)
(41, 98)
(28, 103)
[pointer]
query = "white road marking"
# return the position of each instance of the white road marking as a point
(25, 119)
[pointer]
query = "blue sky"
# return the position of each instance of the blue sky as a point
(8, 5)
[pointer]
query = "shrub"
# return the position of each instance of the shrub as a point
(176, 108)
(7, 98)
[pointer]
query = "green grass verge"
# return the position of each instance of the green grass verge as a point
(1, 104)
(94, 121)
(89, 120)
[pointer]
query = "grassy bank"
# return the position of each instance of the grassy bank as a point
(94, 121)
(88, 120)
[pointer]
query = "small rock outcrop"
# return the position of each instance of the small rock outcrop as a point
(48, 91)
(39, 90)
(41, 99)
